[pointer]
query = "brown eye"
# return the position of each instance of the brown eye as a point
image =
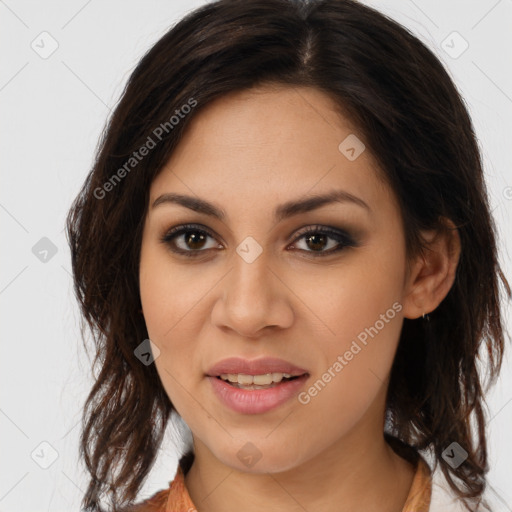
(188, 240)
(194, 239)
(318, 238)
(316, 242)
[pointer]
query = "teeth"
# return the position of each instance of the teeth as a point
(260, 380)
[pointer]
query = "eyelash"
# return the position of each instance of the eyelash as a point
(344, 239)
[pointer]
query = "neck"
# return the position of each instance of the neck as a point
(353, 474)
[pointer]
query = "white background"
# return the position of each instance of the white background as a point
(53, 111)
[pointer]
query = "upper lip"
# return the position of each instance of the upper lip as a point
(254, 367)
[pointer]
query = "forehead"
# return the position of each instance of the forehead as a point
(269, 116)
(271, 142)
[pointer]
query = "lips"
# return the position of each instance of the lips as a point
(254, 367)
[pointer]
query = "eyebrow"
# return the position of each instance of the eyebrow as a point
(283, 211)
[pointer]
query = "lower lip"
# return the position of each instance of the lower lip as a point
(256, 401)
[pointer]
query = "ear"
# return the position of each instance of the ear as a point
(432, 273)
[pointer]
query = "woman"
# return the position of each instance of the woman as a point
(286, 240)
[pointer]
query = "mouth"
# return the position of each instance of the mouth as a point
(262, 381)
(256, 386)
(262, 371)
(255, 398)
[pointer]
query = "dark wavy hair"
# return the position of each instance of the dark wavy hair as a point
(413, 120)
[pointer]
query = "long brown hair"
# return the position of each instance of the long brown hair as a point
(414, 122)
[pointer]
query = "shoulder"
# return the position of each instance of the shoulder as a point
(156, 503)
(175, 497)
(443, 498)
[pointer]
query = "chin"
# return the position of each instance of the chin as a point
(252, 457)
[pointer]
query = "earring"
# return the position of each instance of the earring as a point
(426, 317)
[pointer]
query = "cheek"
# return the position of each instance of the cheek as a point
(354, 365)
(361, 318)
(167, 315)
(168, 294)
(353, 296)
(164, 314)
(171, 299)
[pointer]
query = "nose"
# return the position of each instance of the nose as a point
(253, 297)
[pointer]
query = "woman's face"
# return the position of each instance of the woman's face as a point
(256, 286)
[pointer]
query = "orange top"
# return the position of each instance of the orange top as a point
(177, 499)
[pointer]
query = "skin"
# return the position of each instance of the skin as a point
(248, 152)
